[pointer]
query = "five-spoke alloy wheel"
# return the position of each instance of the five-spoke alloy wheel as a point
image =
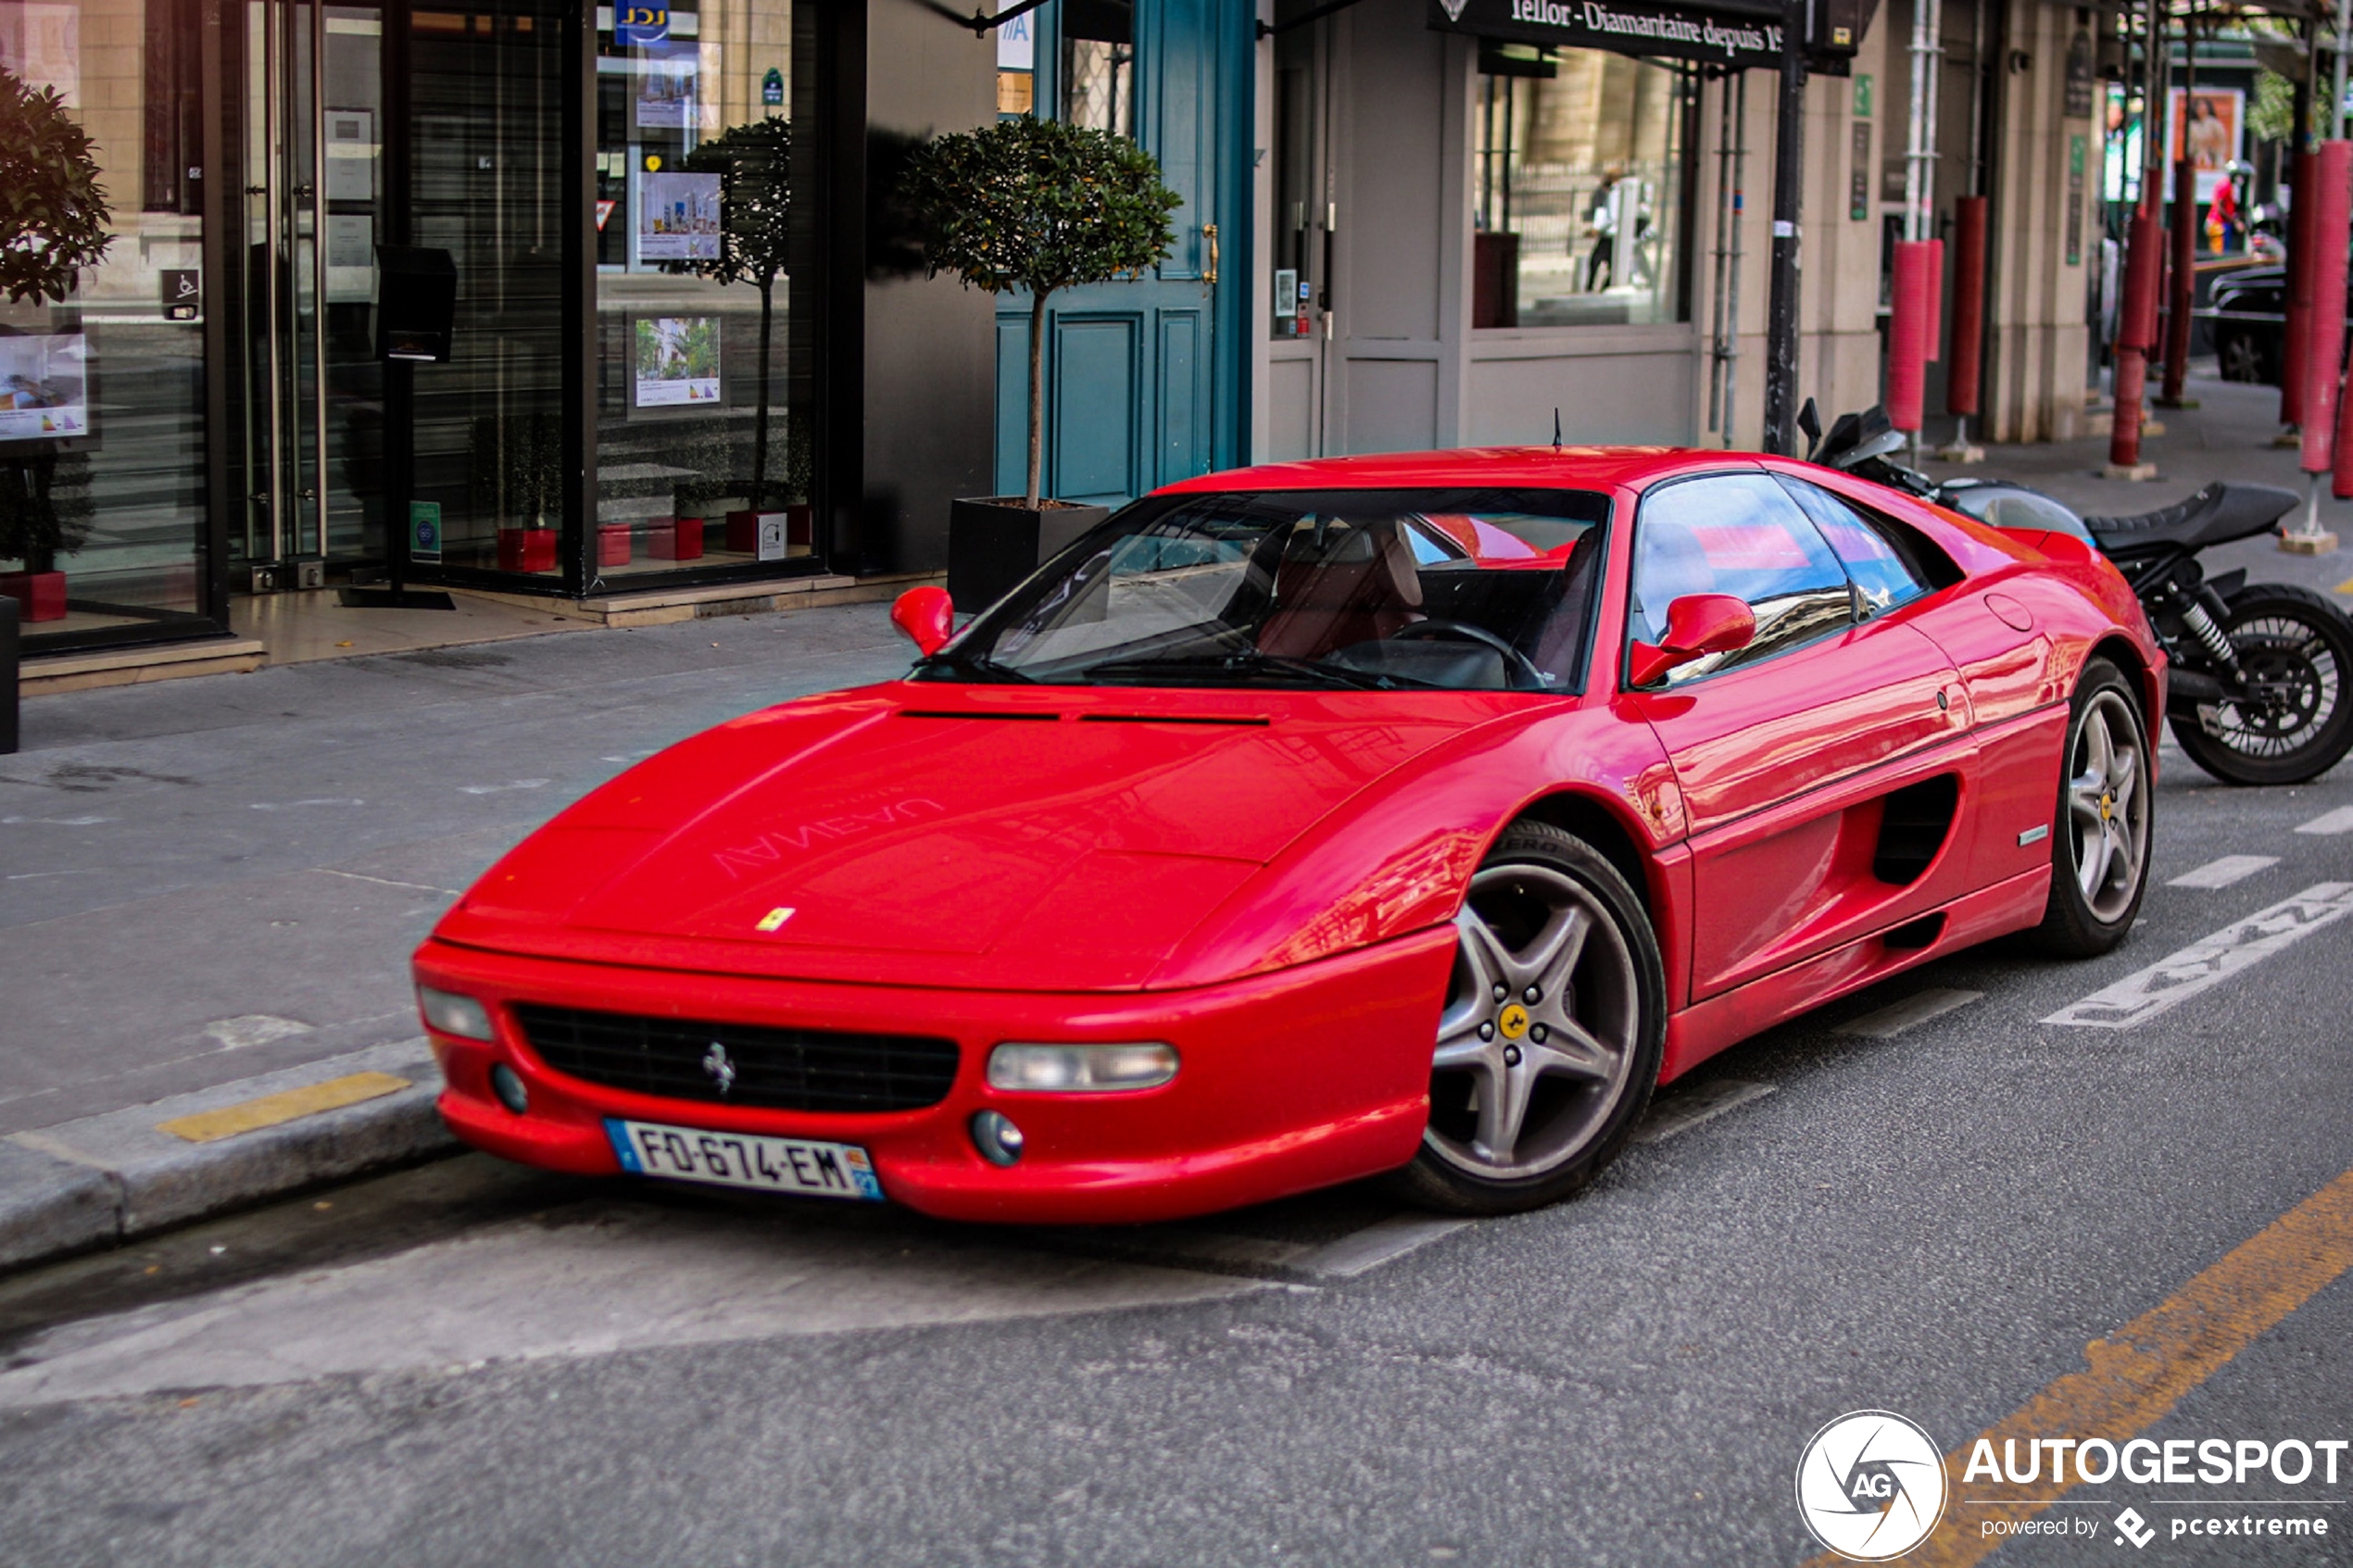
(2100, 849)
(1548, 1042)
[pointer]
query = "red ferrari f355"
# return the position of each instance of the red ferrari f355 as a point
(1412, 815)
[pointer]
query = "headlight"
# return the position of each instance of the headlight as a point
(454, 1014)
(1080, 1069)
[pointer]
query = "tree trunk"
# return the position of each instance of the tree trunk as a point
(759, 423)
(1037, 396)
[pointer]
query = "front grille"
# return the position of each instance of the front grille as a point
(775, 1068)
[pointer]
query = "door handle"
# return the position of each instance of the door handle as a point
(1209, 232)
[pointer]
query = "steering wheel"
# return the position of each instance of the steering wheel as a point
(1518, 663)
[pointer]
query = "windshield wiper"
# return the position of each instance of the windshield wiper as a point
(1241, 666)
(975, 666)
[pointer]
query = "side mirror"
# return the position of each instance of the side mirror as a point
(1697, 625)
(927, 616)
(1810, 423)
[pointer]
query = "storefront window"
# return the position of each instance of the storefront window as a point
(1579, 175)
(102, 434)
(702, 425)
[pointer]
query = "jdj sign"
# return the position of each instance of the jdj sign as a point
(1628, 27)
(637, 26)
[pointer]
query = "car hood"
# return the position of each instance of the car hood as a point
(985, 836)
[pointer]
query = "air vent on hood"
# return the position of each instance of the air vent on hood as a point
(1008, 718)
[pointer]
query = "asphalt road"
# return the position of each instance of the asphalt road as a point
(468, 1363)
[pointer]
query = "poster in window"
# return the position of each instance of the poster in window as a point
(2206, 126)
(665, 97)
(41, 45)
(44, 387)
(677, 362)
(679, 217)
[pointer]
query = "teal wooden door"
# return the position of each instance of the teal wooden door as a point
(1146, 380)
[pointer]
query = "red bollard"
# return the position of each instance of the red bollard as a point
(2294, 351)
(1969, 306)
(2341, 479)
(1911, 329)
(2182, 280)
(2135, 331)
(2332, 199)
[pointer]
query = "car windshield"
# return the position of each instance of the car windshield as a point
(1463, 590)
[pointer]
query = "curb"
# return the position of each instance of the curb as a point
(105, 1179)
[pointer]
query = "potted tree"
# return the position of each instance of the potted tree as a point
(1037, 204)
(52, 227)
(754, 164)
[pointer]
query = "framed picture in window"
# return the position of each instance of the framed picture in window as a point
(674, 365)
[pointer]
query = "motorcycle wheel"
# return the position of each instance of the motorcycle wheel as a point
(2240, 356)
(2296, 649)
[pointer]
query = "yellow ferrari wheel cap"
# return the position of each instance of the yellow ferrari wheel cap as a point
(1512, 1021)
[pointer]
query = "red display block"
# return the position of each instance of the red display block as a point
(676, 539)
(526, 550)
(613, 544)
(42, 594)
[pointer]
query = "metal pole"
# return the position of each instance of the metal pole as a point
(317, 125)
(1789, 174)
(271, 191)
(2344, 46)
(1920, 156)
(1722, 257)
(1740, 203)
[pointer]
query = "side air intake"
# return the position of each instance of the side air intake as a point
(1913, 828)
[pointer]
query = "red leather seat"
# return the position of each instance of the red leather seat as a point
(1359, 587)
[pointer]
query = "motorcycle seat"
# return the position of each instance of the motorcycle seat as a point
(2216, 515)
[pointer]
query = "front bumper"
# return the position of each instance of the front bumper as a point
(1288, 1082)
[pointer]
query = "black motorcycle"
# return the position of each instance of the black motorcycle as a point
(2257, 689)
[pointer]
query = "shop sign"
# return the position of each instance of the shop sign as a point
(1627, 27)
(2079, 76)
(424, 531)
(1858, 174)
(2075, 159)
(636, 26)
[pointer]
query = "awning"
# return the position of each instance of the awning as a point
(1739, 35)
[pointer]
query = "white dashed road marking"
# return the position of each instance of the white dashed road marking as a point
(2224, 872)
(2338, 821)
(1383, 1241)
(2202, 965)
(1687, 1108)
(1891, 1020)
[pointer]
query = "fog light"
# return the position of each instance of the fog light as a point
(454, 1014)
(1081, 1068)
(508, 1085)
(997, 1138)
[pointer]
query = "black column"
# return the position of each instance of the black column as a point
(1789, 176)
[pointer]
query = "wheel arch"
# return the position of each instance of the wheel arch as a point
(2118, 650)
(1598, 823)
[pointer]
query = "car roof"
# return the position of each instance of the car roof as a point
(1552, 468)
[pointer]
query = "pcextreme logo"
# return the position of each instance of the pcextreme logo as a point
(1871, 1486)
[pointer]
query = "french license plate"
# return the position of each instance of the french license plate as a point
(745, 1159)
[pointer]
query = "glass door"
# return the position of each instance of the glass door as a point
(313, 187)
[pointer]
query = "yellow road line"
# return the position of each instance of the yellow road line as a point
(206, 1126)
(2134, 1379)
